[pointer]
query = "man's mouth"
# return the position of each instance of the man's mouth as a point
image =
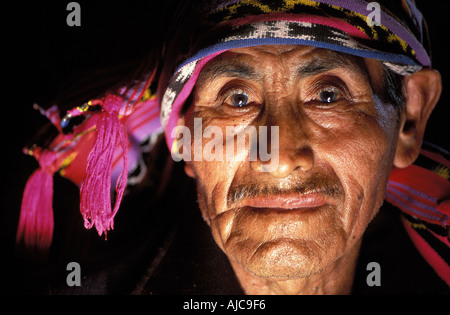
(313, 193)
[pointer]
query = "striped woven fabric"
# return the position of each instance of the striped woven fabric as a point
(421, 191)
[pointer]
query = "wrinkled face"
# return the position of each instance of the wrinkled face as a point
(335, 147)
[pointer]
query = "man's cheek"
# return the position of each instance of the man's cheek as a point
(360, 160)
(360, 147)
(213, 179)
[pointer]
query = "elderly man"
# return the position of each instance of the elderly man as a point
(339, 93)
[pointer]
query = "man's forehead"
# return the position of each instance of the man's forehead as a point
(246, 62)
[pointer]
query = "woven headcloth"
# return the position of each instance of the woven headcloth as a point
(100, 142)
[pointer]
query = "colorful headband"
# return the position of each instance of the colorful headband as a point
(101, 142)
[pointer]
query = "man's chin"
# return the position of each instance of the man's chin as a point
(282, 259)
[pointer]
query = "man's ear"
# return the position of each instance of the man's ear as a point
(423, 90)
(188, 169)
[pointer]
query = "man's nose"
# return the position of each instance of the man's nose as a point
(292, 148)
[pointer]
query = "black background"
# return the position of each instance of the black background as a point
(45, 56)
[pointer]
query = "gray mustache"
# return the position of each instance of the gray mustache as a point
(314, 184)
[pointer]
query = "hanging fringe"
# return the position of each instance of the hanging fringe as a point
(36, 214)
(95, 190)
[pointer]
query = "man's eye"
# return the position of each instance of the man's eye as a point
(329, 96)
(237, 99)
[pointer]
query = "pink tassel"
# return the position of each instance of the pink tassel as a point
(36, 214)
(95, 191)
